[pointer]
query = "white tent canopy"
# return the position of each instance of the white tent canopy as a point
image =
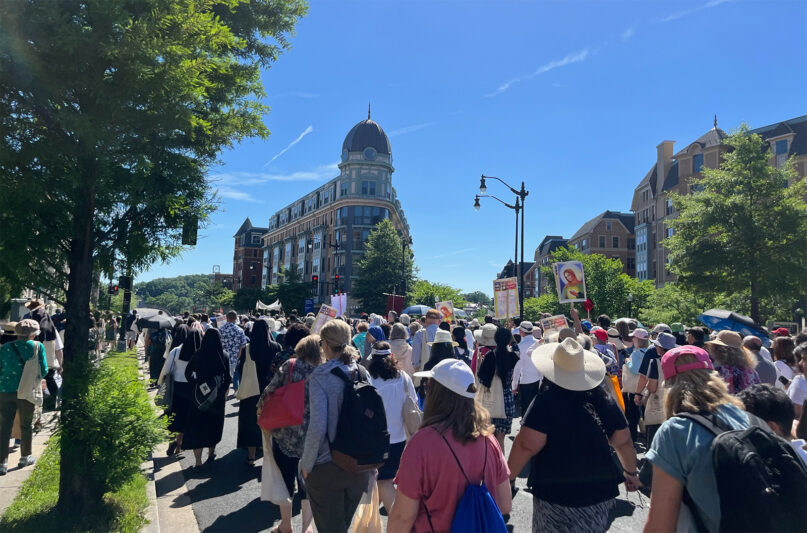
(271, 307)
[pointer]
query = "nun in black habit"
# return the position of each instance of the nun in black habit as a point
(204, 429)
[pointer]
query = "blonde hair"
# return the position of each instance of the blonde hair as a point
(336, 334)
(309, 351)
(694, 391)
(448, 410)
(731, 356)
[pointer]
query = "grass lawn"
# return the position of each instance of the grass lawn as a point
(34, 508)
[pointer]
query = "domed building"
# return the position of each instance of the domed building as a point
(323, 234)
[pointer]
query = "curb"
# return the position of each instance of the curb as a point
(152, 512)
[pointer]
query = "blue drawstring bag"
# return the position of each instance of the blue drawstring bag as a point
(476, 512)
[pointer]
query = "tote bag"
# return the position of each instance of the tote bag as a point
(412, 417)
(30, 387)
(273, 488)
(285, 405)
(629, 380)
(654, 410)
(165, 396)
(492, 398)
(249, 379)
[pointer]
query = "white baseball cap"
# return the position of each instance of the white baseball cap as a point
(454, 375)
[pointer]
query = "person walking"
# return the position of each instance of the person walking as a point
(650, 392)
(784, 359)
(157, 345)
(233, 340)
(442, 347)
(680, 453)
(461, 351)
(797, 391)
(262, 351)
(765, 368)
(526, 378)
(634, 356)
(204, 428)
(401, 348)
(360, 337)
(52, 341)
(734, 363)
(420, 347)
(183, 345)
(454, 447)
(568, 433)
(334, 493)
(495, 374)
(394, 386)
(287, 442)
(13, 356)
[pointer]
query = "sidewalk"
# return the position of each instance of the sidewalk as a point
(10, 483)
(170, 507)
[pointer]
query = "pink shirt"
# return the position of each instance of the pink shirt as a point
(430, 474)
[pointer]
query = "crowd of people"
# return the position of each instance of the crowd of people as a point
(412, 414)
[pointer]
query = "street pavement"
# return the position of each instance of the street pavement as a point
(225, 495)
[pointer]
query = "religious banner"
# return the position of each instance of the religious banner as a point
(339, 302)
(326, 313)
(446, 310)
(570, 282)
(505, 298)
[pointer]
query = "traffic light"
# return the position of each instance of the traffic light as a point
(336, 283)
(113, 289)
(315, 281)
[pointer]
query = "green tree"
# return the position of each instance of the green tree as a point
(111, 115)
(426, 293)
(382, 268)
(212, 295)
(245, 299)
(292, 292)
(744, 227)
(478, 297)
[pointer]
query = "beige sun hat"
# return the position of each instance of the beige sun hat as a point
(26, 327)
(442, 335)
(569, 366)
(485, 336)
(728, 338)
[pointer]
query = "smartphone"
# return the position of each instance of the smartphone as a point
(784, 381)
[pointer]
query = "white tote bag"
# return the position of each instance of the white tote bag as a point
(249, 386)
(273, 488)
(492, 398)
(30, 387)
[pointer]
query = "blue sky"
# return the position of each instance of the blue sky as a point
(571, 97)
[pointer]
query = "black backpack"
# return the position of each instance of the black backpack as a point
(761, 482)
(362, 438)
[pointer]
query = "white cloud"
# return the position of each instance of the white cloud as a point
(686, 12)
(627, 34)
(573, 57)
(238, 185)
(410, 129)
(299, 138)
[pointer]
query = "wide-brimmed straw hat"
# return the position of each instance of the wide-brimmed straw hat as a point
(485, 336)
(728, 338)
(569, 366)
(443, 336)
(26, 327)
(34, 304)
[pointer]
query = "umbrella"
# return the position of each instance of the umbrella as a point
(720, 319)
(156, 322)
(416, 310)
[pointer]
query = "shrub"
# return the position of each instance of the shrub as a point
(115, 425)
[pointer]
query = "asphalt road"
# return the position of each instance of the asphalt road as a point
(226, 493)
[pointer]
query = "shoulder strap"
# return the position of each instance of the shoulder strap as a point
(710, 422)
(291, 369)
(19, 355)
(336, 371)
(457, 458)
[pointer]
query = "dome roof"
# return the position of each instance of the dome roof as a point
(366, 134)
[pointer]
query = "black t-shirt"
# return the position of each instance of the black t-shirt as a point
(646, 369)
(575, 468)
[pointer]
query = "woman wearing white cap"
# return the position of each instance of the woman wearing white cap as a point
(443, 457)
(567, 432)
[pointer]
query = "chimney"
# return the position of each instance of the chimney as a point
(664, 154)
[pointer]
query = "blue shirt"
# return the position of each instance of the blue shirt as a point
(430, 331)
(681, 448)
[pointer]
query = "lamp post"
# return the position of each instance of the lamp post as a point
(517, 208)
(630, 304)
(522, 196)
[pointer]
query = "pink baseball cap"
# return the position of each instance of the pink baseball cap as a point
(668, 360)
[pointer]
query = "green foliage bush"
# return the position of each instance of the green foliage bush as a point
(117, 424)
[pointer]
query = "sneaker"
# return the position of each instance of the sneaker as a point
(26, 461)
(4, 468)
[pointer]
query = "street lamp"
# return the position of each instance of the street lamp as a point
(516, 208)
(630, 304)
(476, 202)
(522, 195)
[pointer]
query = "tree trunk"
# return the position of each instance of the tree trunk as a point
(77, 491)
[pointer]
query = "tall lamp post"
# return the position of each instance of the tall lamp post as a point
(630, 304)
(522, 195)
(517, 208)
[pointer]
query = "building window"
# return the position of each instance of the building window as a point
(343, 191)
(669, 206)
(602, 241)
(697, 163)
(781, 152)
(315, 265)
(616, 242)
(670, 232)
(368, 188)
(631, 263)
(631, 243)
(608, 225)
(585, 244)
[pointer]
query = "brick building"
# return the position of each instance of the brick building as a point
(610, 234)
(247, 257)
